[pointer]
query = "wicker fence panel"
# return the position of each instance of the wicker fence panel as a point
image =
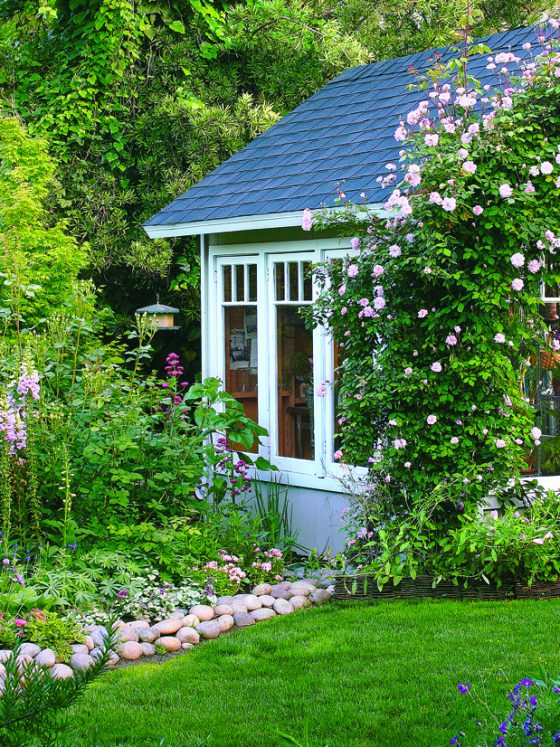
(364, 587)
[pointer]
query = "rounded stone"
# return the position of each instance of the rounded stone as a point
(169, 643)
(131, 650)
(266, 600)
(190, 621)
(95, 653)
(168, 627)
(30, 649)
(225, 600)
(299, 602)
(136, 624)
(243, 619)
(113, 659)
(147, 635)
(118, 624)
(252, 602)
(281, 591)
(186, 646)
(225, 622)
(223, 609)
(238, 607)
(128, 633)
(88, 641)
(203, 611)
(282, 607)
(148, 649)
(98, 637)
(261, 589)
(178, 614)
(320, 596)
(61, 672)
(81, 662)
(265, 613)
(5, 654)
(209, 629)
(313, 581)
(302, 589)
(79, 648)
(188, 635)
(46, 658)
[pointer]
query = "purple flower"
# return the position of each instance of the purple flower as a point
(463, 688)
(122, 593)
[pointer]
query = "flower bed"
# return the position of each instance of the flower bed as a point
(182, 630)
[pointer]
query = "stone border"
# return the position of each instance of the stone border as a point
(182, 631)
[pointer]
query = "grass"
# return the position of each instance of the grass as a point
(382, 675)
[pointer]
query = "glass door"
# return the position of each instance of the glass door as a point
(293, 366)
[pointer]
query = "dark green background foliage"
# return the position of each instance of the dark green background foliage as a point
(138, 101)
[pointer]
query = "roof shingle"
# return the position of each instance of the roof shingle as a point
(341, 137)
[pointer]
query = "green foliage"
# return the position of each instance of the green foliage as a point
(436, 346)
(50, 630)
(40, 262)
(33, 706)
(139, 101)
(111, 450)
(150, 597)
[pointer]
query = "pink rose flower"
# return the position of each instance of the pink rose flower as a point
(307, 220)
(505, 191)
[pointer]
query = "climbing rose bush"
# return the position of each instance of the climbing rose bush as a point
(437, 314)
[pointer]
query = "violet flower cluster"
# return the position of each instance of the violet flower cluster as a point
(14, 407)
(522, 726)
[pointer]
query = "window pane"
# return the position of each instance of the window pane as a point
(307, 282)
(252, 282)
(240, 282)
(226, 269)
(295, 384)
(241, 358)
(294, 281)
(279, 280)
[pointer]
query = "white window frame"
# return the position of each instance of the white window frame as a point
(322, 472)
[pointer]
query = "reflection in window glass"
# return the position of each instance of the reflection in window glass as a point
(295, 384)
(241, 369)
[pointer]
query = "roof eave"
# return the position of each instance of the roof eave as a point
(241, 223)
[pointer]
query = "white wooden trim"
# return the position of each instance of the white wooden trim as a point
(243, 223)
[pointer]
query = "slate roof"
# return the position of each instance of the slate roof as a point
(341, 136)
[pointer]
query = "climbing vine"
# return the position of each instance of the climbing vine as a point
(438, 314)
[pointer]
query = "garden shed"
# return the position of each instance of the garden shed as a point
(255, 259)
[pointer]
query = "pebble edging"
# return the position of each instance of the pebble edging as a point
(183, 630)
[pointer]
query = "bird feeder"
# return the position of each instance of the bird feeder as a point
(160, 316)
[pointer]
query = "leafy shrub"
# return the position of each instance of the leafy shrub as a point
(438, 312)
(149, 597)
(522, 542)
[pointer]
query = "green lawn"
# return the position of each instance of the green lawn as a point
(382, 675)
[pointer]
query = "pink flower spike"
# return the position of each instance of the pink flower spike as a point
(306, 220)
